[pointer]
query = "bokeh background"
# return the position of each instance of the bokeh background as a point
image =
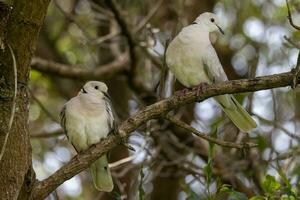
(169, 162)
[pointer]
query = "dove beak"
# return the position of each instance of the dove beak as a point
(220, 29)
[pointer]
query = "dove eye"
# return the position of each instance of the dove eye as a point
(212, 19)
(96, 87)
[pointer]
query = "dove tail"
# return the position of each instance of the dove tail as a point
(101, 175)
(238, 115)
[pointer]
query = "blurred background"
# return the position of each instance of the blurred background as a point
(84, 40)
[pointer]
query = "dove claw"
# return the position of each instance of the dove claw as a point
(183, 92)
(200, 88)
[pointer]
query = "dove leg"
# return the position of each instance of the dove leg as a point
(200, 87)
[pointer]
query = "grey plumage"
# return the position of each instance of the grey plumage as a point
(86, 119)
(193, 60)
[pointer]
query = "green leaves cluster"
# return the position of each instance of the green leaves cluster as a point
(275, 190)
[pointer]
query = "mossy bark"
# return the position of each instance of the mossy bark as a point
(19, 28)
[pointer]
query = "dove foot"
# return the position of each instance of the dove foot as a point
(183, 92)
(199, 88)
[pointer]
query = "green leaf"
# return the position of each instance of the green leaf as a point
(192, 196)
(257, 198)
(225, 188)
(141, 189)
(234, 195)
(208, 172)
(286, 197)
(270, 185)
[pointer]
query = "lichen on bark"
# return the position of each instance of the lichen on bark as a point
(19, 27)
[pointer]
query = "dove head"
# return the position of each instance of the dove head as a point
(209, 21)
(94, 87)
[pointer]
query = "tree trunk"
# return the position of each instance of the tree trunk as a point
(20, 32)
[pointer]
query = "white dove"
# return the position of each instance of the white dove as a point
(86, 119)
(193, 60)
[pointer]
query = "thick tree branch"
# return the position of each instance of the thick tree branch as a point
(13, 107)
(77, 72)
(18, 35)
(84, 159)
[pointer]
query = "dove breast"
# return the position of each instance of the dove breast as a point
(184, 56)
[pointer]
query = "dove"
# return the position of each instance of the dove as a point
(193, 60)
(86, 119)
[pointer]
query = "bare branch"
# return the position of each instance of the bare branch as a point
(125, 30)
(187, 127)
(290, 41)
(44, 135)
(151, 13)
(105, 37)
(71, 18)
(290, 17)
(122, 161)
(46, 111)
(291, 153)
(76, 72)
(84, 159)
(132, 43)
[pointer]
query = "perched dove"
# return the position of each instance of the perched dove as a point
(86, 119)
(193, 60)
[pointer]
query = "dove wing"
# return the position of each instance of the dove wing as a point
(213, 66)
(63, 118)
(110, 111)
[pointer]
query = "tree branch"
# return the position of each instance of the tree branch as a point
(132, 43)
(189, 128)
(41, 105)
(125, 30)
(84, 159)
(45, 135)
(77, 72)
(13, 106)
(147, 18)
(290, 17)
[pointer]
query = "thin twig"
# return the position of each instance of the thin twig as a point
(40, 104)
(71, 18)
(208, 138)
(45, 135)
(294, 44)
(105, 38)
(101, 10)
(290, 16)
(286, 155)
(125, 30)
(146, 19)
(122, 161)
(13, 107)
